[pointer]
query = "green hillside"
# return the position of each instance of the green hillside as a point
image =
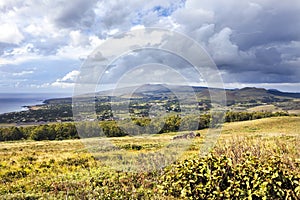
(264, 154)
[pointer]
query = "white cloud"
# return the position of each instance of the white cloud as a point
(193, 19)
(22, 50)
(95, 41)
(67, 81)
(70, 77)
(74, 53)
(10, 33)
(22, 73)
(78, 39)
(43, 28)
(223, 51)
(20, 54)
(60, 85)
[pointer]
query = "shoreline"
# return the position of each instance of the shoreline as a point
(10, 103)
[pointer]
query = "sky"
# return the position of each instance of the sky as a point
(43, 43)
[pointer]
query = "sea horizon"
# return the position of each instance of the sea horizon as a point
(16, 102)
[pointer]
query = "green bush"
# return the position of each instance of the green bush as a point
(138, 126)
(216, 178)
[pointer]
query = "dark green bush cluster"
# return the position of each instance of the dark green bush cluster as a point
(244, 116)
(173, 123)
(56, 131)
(217, 178)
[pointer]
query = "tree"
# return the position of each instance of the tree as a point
(43, 132)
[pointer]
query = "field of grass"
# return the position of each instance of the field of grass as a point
(68, 170)
(264, 108)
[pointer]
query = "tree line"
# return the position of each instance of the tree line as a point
(136, 126)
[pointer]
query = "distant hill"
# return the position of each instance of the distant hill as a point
(247, 94)
(284, 94)
(169, 97)
(149, 89)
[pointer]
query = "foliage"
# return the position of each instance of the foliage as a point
(13, 133)
(66, 170)
(217, 178)
(244, 116)
(210, 177)
(138, 126)
(56, 131)
(49, 113)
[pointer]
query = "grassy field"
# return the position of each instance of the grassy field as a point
(68, 170)
(264, 108)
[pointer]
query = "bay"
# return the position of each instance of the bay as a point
(13, 102)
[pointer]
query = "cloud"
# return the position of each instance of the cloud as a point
(194, 19)
(67, 81)
(70, 77)
(22, 73)
(251, 41)
(78, 14)
(10, 33)
(221, 47)
(60, 85)
(78, 39)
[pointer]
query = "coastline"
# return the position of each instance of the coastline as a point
(10, 103)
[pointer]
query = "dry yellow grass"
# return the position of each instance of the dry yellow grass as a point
(50, 163)
(264, 108)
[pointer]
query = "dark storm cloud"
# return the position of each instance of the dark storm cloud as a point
(268, 56)
(250, 41)
(77, 14)
(274, 23)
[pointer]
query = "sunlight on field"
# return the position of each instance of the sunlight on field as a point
(264, 108)
(45, 168)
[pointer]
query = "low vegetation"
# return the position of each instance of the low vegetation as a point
(257, 159)
(67, 130)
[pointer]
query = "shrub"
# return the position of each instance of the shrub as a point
(216, 178)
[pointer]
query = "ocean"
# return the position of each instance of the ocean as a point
(11, 102)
